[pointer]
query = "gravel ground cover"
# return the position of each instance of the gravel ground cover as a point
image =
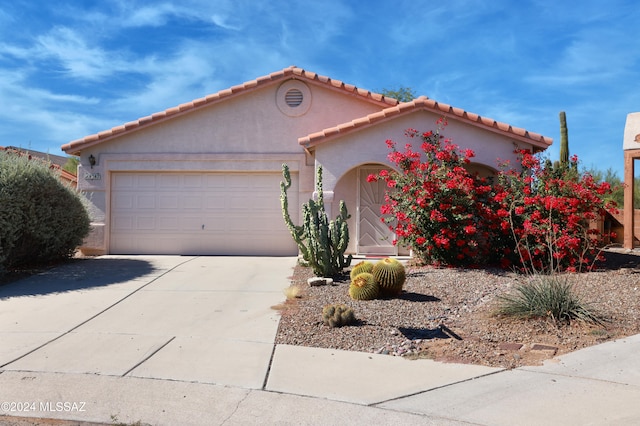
(448, 315)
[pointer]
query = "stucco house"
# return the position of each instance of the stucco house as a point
(204, 177)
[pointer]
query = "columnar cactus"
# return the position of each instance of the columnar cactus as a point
(322, 242)
(564, 140)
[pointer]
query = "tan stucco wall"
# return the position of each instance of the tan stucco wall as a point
(632, 131)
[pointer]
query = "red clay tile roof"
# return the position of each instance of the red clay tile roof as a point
(424, 103)
(45, 159)
(76, 146)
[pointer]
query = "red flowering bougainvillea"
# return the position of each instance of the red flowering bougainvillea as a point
(536, 217)
(549, 210)
(434, 205)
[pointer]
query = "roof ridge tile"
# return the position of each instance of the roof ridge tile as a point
(393, 107)
(292, 70)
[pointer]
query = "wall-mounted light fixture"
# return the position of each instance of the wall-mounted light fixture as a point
(92, 160)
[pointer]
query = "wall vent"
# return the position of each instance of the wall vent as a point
(293, 98)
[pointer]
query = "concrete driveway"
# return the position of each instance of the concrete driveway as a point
(187, 318)
(189, 340)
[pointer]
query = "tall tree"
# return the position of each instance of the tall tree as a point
(71, 165)
(402, 94)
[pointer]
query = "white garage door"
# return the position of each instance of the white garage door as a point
(200, 213)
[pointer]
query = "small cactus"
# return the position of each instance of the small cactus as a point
(364, 266)
(390, 275)
(364, 287)
(338, 315)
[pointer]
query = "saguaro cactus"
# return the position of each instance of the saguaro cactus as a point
(322, 242)
(564, 140)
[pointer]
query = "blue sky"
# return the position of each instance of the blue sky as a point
(72, 68)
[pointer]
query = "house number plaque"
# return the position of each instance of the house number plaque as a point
(92, 176)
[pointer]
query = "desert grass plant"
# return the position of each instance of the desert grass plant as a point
(293, 292)
(547, 296)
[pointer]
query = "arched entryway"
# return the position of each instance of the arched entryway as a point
(481, 170)
(369, 235)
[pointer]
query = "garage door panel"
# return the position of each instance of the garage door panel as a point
(146, 223)
(168, 223)
(122, 223)
(191, 202)
(214, 180)
(145, 181)
(122, 201)
(168, 201)
(145, 202)
(206, 213)
(190, 181)
(124, 181)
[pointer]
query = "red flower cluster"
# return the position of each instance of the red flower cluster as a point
(537, 217)
(551, 210)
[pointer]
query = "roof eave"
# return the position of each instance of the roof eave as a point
(75, 147)
(539, 142)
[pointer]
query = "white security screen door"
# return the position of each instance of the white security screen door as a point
(374, 236)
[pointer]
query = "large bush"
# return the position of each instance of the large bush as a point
(41, 219)
(550, 210)
(436, 207)
(533, 217)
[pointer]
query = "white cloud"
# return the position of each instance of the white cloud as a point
(16, 52)
(221, 13)
(589, 60)
(77, 56)
(155, 16)
(31, 114)
(16, 91)
(223, 22)
(171, 81)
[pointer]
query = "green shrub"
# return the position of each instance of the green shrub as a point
(547, 296)
(41, 219)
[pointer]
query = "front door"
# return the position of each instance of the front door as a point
(374, 236)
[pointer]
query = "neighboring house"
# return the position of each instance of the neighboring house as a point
(204, 177)
(55, 162)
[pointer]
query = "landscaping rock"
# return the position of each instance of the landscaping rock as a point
(316, 281)
(319, 281)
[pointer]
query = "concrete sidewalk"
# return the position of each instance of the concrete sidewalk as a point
(189, 340)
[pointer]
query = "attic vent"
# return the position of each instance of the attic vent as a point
(293, 98)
